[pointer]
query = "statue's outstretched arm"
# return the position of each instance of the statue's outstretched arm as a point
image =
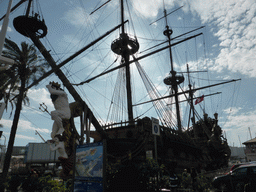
(54, 148)
(54, 91)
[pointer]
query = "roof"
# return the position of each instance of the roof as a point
(248, 165)
(250, 141)
(18, 150)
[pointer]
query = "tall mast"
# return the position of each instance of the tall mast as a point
(126, 46)
(122, 15)
(126, 58)
(191, 97)
(173, 80)
(195, 129)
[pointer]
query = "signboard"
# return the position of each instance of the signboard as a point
(149, 154)
(82, 186)
(89, 167)
(155, 126)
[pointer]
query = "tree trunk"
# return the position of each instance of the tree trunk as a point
(8, 154)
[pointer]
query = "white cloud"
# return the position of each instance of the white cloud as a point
(8, 28)
(24, 137)
(79, 16)
(232, 110)
(147, 8)
(23, 126)
(150, 8)
(6, 123)
(235, 21)
(40, 95)
(243, 120)
(20, 136)
(236, 126)
(26, 126)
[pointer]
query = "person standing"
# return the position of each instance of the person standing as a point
(186, 179)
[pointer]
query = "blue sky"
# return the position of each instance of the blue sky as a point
(227, 50)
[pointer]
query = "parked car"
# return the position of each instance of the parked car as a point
(174, 181)
(169, 180)
(236, 180)
(237, 165)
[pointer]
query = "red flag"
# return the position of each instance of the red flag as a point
(199, 99)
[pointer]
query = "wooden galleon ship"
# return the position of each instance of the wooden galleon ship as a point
(196, 142)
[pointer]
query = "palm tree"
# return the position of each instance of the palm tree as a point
(10, 79)
(28, 65)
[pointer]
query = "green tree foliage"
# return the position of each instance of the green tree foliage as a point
(27, 63)
(42, 184)
(50, 185)
(134, 175)
(27, 66)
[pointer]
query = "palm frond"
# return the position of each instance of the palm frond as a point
(29, 65)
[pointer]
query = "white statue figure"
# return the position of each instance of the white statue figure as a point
(59, 145)
(61, 105)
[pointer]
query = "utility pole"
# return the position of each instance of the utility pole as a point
(250, 132)
(40, 135)
(3, 148)
(240, 141)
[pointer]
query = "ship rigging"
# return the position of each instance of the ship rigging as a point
(198, 142)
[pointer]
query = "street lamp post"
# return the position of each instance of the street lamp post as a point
(3, 31)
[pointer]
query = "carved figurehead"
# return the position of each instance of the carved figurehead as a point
(61, 105)
(66, 161)
(59, 145)
(61, 130)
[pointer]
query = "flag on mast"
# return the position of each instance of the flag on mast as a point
(199, 99)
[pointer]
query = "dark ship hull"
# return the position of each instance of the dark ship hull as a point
(129, 146)
(178, 150)
(208, 136)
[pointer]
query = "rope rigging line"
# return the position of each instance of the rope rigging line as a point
(91, 106)
(196, 113)
(96, 9)
(88, 102)
(46, 40)
(145, 29)
(118, 109)
(38, 111)
(40, 129)
(39, 9)
(232, 101)
(208, 80)
(84, 37)
(131, 19)
(161, 109)
(151, 107)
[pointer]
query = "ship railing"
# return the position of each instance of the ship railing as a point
(118, 125)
